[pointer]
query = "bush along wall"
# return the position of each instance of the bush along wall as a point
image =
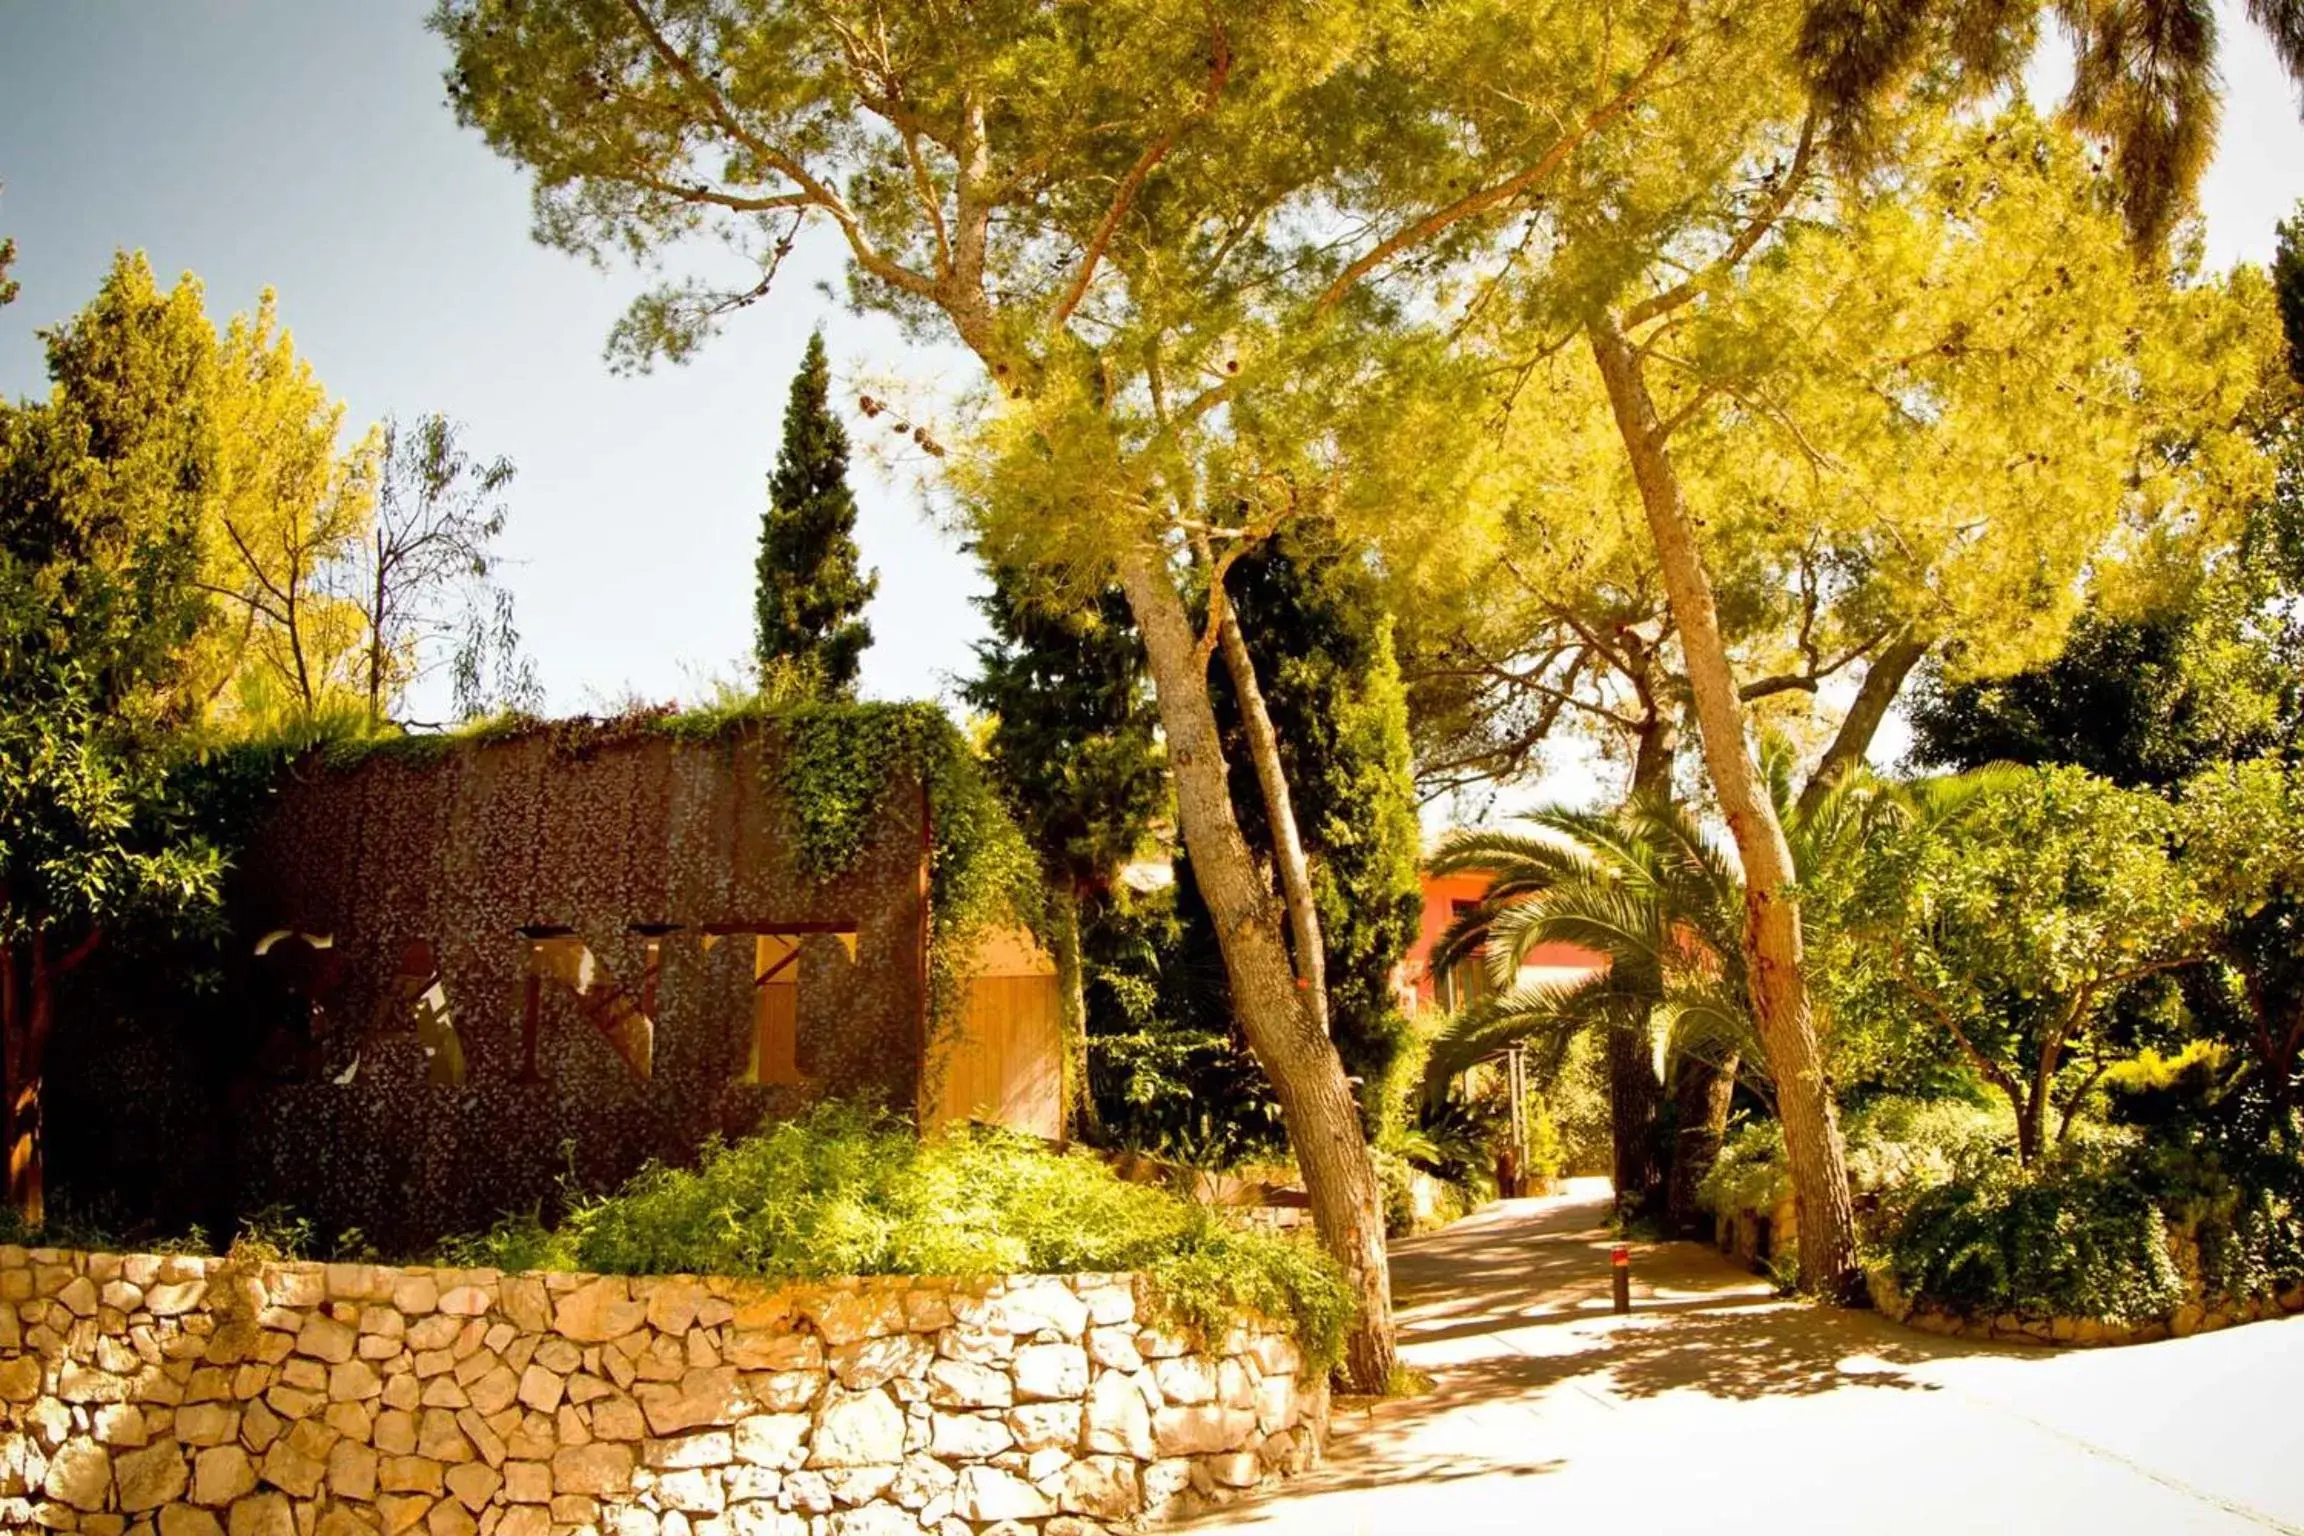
(2088, 1252)
(2195, 1311)
(2114, 1240)
(146, 1395)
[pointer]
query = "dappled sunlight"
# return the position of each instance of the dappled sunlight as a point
(1509, 1313)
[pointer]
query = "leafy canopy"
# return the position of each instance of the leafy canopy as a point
(1071, 732)
(2016, 932)
(1938, 405)
(102, 494)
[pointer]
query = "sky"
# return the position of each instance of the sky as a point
(304, 145)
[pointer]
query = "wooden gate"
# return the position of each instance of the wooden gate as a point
(1004, 1064)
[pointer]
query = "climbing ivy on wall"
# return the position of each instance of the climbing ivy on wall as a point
(840, 764)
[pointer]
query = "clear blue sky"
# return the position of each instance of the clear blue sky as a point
(302, 144)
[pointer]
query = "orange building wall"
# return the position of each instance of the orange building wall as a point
(1419, 988)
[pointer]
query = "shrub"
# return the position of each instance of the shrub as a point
(2075, 1237)
(1749, 1174)
(1576, 1099)
(843, 1191)
(1396, 1174)
(1898, 1148)
(1547, 1148)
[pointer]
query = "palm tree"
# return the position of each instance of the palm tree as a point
(1645, 888)
(2144, 78)
(1652, 891)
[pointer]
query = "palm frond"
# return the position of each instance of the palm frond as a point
(2283, 22)
(1546, 1018)
(1606, 919)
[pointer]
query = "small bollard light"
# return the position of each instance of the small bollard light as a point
(1620, 1270)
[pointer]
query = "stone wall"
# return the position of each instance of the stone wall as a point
(178, 1396)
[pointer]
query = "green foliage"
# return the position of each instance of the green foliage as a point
(2077, 1238)
(1898, 1148)
(103, 491)
(1170, 1076)
(2091, 1231)
(1168, 1069)
(810, 594)
(1073, 737)
(2243, 835)
(1397, 1176)
(2288, 284)
(1749, 1175)
(92, 832)
(840, 764)
(841, 1191)
(1645, 887)
(2145, 85)
(1575, 1098)
(101, 506)
(2205, 665)
(2179, 1090)
(1324, 659)
(2016, 933)
(1548, 1148)
(71, 1229)
(2144, 701)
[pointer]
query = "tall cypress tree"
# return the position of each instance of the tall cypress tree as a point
(811, 594)
(1074, 742)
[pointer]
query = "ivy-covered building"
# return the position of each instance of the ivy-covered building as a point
(460, 978)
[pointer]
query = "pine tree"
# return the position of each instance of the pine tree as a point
(1323, 645)
(811, 594)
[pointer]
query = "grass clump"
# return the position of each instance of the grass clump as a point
(845, 1191)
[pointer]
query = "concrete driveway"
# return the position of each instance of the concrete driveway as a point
(1717, 1407)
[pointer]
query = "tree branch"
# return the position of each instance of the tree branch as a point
(1474, 203)
(78, 954)
(1997, 1075)
(1219, 71)
(1790, 682)
(817, 193)
(1754, 231)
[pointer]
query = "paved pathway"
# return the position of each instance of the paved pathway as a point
(1718, 1407)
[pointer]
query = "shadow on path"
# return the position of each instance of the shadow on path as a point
(1509, 1312)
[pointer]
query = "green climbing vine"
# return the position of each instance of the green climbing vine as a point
(839, 764)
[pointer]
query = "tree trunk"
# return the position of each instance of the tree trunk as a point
(1307, 1076)
(1882, 682)
(2031, 1128)
(376, 636)
(1701, 1093)
(1072, 999)
(1634, 1096)
(2032, 1109)
(1773, 947)
(1657, 745)
(1279, 808)
(24, 989)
